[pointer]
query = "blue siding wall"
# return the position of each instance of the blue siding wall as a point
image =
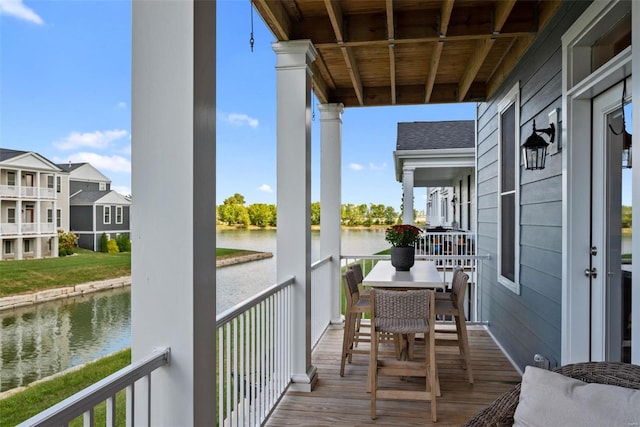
(528, 323)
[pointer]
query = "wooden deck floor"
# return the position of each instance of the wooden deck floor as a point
(343, 401)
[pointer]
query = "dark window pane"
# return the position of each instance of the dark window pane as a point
(507, 148)
(507, 243)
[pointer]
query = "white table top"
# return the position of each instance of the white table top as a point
(423, 274)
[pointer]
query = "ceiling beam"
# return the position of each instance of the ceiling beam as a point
(445, 16)
(473, 66)
(391, 34)
(433, 70)
(426, 39)
(483, 47)
(518, 48)
(354, 73)
(335, 16)
(434, 64)
(276, 17)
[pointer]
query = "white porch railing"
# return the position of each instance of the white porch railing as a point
(320, 298)
(84, 402)
(29, 227)
(254, 356)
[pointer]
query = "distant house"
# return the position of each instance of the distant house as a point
(94, 207)
(441, 157)
(34, 204)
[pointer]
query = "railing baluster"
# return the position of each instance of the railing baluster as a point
(131, 394)
(111, 411)
(88, 418)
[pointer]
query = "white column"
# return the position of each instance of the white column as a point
(293, 76)
(635, 196)
(407, 195)
(174, 180)
(331, 197)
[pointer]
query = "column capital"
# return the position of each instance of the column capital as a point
(294, 53)
(408, 169)
(331, 111)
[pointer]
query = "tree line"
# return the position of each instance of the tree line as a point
(233, 211)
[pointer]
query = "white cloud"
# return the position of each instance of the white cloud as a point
(97, 140)
(121, 105)
(378, 167)
(102, 163)
(18, 10)
(238, 119)
(356, 166)
(266, 188)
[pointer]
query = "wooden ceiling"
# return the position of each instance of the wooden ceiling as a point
(387, 52)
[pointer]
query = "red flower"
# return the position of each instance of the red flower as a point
(402, 235)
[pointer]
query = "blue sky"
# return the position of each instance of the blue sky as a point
(65, 92)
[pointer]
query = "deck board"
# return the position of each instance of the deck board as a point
(343, 401)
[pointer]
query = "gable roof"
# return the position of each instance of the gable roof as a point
(84, 172)
(111, 197)
(27, 159)
(436, 135)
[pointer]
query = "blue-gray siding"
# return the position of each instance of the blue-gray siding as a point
(528, 323)
(75, 186)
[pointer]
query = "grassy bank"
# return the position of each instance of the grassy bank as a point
(38, 397)
(85, 266)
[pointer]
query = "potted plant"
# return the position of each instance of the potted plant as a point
(402, 238)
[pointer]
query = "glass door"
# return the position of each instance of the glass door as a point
(611, 216)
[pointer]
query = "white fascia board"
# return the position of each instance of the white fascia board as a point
(113, 198)
(30, 161)
(452, 157)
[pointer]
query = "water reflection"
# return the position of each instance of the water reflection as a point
(39, 341)
(36, 342)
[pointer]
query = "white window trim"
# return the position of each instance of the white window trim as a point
(8, 244)
(106, 209)
(49, 216)
(12, 174)
(512, 97)
(119, 208)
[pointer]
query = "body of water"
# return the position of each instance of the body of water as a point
(41, 340)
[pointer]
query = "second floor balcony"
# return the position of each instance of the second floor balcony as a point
(25, 192)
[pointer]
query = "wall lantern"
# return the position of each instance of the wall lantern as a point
(626, 136)
(534, 149)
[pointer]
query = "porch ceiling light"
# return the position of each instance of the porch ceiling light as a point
(626, 136)
(534, 149)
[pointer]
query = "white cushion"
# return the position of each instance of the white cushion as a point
(551, 399)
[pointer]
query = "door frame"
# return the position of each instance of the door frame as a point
(579, 87)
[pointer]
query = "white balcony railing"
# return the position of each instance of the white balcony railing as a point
(9, 190)
(29, 228)
(84, 402)
(8, 228)
(14, 191)
(47, 228)
(254, 357)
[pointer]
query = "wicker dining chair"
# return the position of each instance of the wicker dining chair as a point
(501, 411)
(452, 304)
(355, 308)
(403, 313)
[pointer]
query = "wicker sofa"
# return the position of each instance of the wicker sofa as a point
(501, 411)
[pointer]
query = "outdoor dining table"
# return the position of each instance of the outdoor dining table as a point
(423, 274)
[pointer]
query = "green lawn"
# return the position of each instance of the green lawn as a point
(37, 398)
(85, 266)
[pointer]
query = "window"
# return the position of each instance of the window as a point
(58, 184)
(8, 247)
(508, 181)
(11, 215)
(118, 214)
(50, 181)
(11, 178)
(102, 186)
(27, 246)
(107, 214)
(58, 218)
(49, 215)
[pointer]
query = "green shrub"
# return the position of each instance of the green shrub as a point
(67, 243)
(124, 244)
(103, 243)
(112, 246)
